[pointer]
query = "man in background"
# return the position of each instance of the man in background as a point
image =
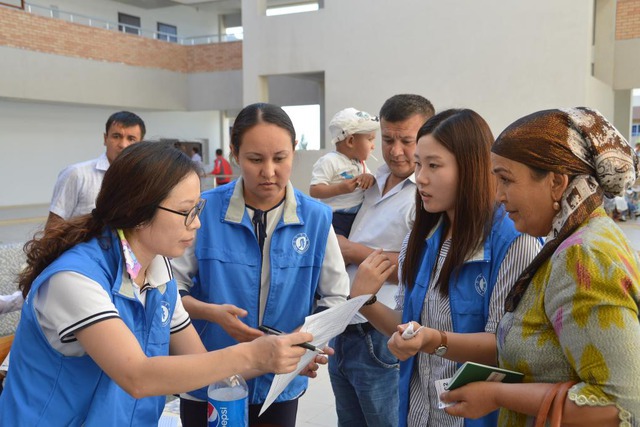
(364, 374)
(221, 167)
(78, 185)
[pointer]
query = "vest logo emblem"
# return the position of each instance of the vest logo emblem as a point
(481, 284)
(165, 313)
(301, 243)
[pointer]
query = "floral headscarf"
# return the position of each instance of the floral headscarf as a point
(578, 142)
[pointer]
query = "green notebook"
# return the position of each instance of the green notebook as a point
(470, 372)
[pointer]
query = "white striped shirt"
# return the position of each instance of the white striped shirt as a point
(436, 313)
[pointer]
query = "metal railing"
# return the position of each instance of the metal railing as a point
(89, 21)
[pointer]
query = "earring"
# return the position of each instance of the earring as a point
(556, 206)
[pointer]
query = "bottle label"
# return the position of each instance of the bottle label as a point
(227, 413)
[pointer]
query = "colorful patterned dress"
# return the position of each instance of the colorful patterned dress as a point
(578, 320)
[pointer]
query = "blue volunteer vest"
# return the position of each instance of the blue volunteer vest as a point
(469, 296)
(230, 263)
(44, 387)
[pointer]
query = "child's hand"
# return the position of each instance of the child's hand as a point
(366, 180)
(349, 185)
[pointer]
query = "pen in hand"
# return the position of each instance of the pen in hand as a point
(272, 331)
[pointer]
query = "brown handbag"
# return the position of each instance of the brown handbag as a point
(554, 400)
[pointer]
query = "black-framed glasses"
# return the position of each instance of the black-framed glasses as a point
(191, 214)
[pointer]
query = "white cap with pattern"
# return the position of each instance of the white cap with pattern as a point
(350, 122)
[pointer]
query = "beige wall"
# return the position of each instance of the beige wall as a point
(502, 59)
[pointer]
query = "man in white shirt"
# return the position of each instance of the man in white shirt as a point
(78, 185)
(364, 374)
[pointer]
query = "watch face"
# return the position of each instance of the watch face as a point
(440, 351)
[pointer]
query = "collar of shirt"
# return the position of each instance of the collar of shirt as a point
(236, 209)
(383, 172)
(103, 163)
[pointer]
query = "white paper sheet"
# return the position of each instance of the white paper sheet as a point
(323, 326)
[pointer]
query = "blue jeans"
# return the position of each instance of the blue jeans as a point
(364, 378)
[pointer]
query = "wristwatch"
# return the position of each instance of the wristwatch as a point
(370, 301)
(441, 350)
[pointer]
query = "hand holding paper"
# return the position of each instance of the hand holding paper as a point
(323, 326)
(408, 341)
(409, 331)
(471, 372)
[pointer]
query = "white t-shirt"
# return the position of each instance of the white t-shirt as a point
(333, 168)
(70, 301)
(77, 188)
(383, 222)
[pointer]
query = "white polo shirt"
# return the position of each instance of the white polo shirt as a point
(383, 222)
(77, 188)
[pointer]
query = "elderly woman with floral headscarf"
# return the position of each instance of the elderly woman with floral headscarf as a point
(572, 316)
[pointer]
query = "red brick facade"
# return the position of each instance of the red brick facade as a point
(22, 30)
(628, 19)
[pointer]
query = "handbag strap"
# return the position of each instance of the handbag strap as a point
(558, 403)
(548, 399)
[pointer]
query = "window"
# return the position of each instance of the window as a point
(128, 23)
(635, 130)
(167, 32)
(306, 121)
(13, 3)
(233, 33)
(232, 24)
(297, 8)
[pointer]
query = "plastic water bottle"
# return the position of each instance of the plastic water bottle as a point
(228, 403)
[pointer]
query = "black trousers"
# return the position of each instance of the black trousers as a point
(279, 414)
(342, 223)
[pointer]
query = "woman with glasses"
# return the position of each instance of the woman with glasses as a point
(266, 255)
(102, 312)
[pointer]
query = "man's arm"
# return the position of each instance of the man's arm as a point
(216, 167)
(53, 220)
(355, 253)
(65, 196)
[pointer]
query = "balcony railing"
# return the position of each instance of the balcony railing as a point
(89, 21)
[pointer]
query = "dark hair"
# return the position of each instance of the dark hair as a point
(126, 119)
(254, 114)
(399, 108)
(468, 137)
(218, 152)
(195, 150)
(135, 184)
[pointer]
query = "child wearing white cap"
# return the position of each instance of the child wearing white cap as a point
(340, 177)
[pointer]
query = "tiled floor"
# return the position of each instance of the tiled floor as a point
(317, 407)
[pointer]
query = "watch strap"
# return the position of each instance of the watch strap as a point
(370, 301)
(442, 348)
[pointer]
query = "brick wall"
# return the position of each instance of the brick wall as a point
(20, 29)
(214, 57)
(628, 19)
